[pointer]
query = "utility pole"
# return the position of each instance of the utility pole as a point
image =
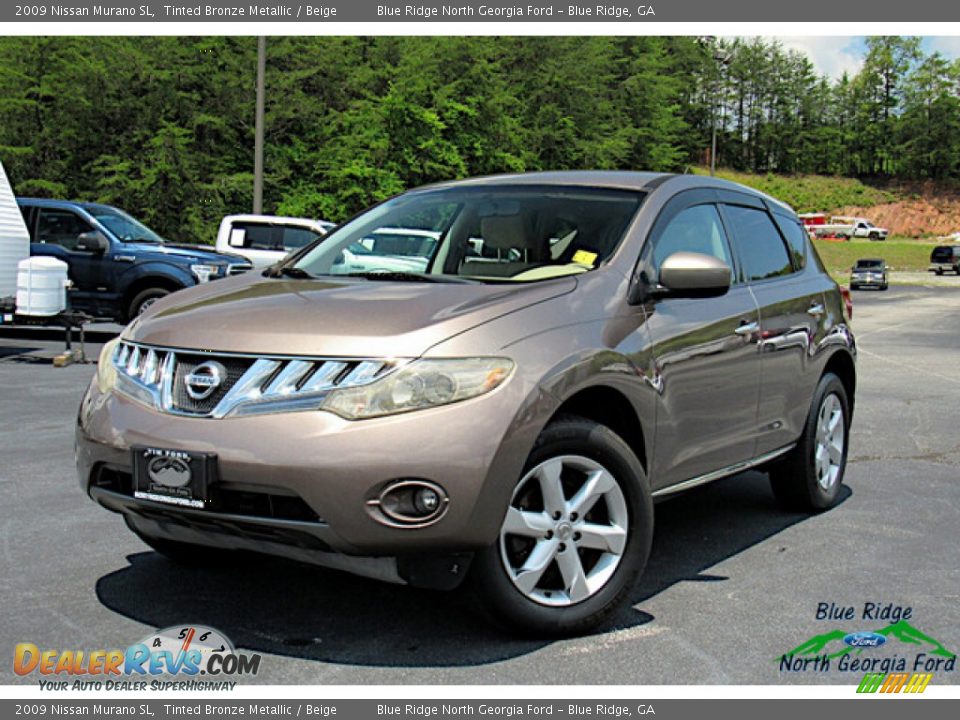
(722, 58)
(258, 127)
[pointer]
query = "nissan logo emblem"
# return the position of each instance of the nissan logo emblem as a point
(170, 472)
(204, 380)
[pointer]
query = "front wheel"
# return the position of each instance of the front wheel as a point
(808, 478)
(576, 535)
(145, 299)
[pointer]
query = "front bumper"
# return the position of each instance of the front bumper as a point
(867, 281)
(299, 483)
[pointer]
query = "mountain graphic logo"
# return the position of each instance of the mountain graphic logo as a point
(831, 644)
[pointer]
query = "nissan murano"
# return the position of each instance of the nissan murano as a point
(574, 347)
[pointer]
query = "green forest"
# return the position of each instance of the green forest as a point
(164, 126)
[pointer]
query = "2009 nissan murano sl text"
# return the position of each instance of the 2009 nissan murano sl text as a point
(571, 347)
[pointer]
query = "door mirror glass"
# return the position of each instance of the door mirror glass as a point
(690, 274)
(93, 241)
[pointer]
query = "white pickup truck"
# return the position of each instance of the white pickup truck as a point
(266, 239)
(849, 227)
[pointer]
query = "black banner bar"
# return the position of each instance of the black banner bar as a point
(473, 11)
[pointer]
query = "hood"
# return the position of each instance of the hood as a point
(202, 253)
(330, 318)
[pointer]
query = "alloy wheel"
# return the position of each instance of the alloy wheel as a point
(828, 453)
(565, 532)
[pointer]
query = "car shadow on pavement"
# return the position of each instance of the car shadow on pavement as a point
(281, 607)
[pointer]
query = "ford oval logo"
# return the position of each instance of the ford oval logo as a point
(205, 379)
(864, 639)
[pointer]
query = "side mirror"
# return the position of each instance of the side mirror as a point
(93, 241)
(689, 274)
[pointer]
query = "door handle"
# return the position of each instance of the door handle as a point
(747, 328)
(816, 310)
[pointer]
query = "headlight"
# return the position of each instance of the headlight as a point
(421, 384)
(203, 273)
(106, 372)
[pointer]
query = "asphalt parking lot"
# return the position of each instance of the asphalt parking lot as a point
(732, 584)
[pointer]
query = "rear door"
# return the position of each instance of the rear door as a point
(773, 252)
(706, 353)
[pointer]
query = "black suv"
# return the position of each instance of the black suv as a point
(118, 265)
(945, 258)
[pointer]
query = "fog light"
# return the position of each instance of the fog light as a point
(426, 500)
(411, 502)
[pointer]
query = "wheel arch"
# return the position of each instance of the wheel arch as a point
(144, 282)
(609, 407)
(841, 364)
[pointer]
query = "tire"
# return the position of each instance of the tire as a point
(874, 236)
(142, 300)
(187, 554)
(884, 286)
(602, 567)
(939, 271)
(797, 481)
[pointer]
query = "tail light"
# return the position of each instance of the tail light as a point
(847, 302)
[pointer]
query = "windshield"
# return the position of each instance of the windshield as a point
(863, 264)
(125, 227)
(490, 233)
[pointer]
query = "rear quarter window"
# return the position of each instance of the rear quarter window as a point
(796, 237)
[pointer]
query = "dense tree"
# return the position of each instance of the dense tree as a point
(164, 126)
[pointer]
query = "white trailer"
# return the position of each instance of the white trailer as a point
(14, 245)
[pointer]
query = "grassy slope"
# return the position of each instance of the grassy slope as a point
(810, 193)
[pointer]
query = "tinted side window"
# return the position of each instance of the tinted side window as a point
(29, 214)
(295, 238)
(796, 237)
(257, 236)
(61, 227)
(762, 251)
(696, 229)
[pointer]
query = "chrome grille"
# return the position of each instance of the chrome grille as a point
(186, 364)
(251, 384)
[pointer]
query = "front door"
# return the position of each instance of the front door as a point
(706, 356)
(56, 236)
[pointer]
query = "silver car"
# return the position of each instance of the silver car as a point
(577, 346)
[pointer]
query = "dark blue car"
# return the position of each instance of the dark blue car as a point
(118, 265)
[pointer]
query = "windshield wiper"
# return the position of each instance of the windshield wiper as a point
(289, 271)
(399, 276)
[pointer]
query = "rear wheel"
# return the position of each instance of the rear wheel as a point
(576, 535)
(809, 477)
